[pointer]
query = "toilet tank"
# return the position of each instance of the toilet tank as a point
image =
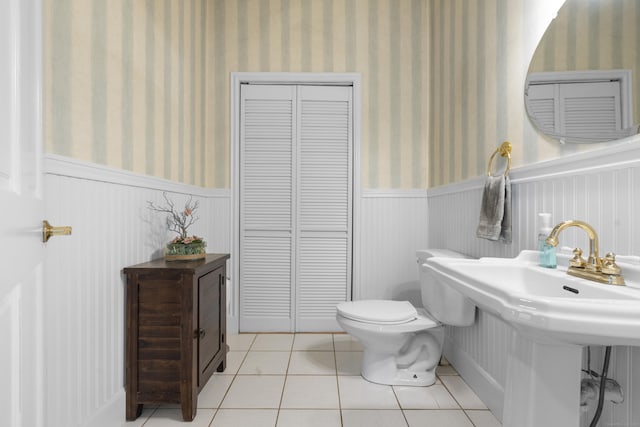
(441, 301)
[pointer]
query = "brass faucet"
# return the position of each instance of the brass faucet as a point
(603, 270)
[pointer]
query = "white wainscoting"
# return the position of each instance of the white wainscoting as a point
(393, 225)
(601, 188)
(84, 295)
(112, 228)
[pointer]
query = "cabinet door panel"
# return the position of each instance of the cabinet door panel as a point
(208, 321)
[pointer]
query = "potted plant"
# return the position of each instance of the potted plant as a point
(183, 247)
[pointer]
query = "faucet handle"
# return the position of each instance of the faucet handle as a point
(577, 260)
(609, 265)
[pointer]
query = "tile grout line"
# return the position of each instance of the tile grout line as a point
(464, 411)
(286, 377)
(335, 361)
(231, 383)
(400, 405)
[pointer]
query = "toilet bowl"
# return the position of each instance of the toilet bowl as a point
(402, 344)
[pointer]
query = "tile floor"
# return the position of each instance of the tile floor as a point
(313, 380)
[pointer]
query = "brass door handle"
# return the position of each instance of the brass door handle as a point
(48, 230)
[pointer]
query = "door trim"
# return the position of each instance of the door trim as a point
(238, 78)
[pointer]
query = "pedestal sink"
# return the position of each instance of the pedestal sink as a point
(553, 315)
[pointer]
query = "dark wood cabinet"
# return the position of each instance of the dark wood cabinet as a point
(175, 332)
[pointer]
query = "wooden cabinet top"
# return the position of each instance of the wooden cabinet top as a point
(192, 266)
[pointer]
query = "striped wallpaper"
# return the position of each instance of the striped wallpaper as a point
(594, 35)
(144, 85)
(126, 85)
(480, 55)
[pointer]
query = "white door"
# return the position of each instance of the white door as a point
(324, 206)
(295, 206)
(21, 208)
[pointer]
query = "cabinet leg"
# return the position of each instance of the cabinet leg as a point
(188, 411)
(133, 410)
(223, 364)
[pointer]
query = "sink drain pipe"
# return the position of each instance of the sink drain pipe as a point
(603, 380)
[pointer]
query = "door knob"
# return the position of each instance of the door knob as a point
(48, 230)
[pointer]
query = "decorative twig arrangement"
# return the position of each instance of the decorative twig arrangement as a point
(179, 221)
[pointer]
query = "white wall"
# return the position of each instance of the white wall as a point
(84, 295)
(112, 228)
(601, 188)
(393, 225)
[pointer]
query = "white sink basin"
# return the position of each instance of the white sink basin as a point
(553, 316)
(547, 304)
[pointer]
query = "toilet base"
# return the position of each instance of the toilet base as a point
(383, 369)
(398, 354)
(403, 377)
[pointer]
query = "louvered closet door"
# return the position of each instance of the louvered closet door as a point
(267, 163)
(323, 274)
(295, 203)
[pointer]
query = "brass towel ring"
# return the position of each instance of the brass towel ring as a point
(505, 151)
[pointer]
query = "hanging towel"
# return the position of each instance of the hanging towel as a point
(495, 212)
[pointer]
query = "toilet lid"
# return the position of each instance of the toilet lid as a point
(378, 311)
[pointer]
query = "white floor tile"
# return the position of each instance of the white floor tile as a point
(462, 392)
(254, 391)
(265, 363)
(310, 392)
(345, 342)
(173, 418)
(290, 379)
(312, 363)
(349, 362)
(357, 393)
(273, 342)
(483, 418)
(313, 342)
(309, 418)
(372, 418)
(239, 342)
(439, 418)
(432, 397)
(234, 360)
(214, 390)
(245, 418)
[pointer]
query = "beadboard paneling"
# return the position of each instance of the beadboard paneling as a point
(393, 225)
(84, 294)
(112, 228)
(600, 188)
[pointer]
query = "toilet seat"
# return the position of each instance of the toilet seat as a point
(378, 311)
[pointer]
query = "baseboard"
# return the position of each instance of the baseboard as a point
(486, 387)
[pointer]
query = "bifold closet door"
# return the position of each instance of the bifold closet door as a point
(323, 232)
(295, 206)
(267, 163)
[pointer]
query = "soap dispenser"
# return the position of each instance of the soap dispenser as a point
(547, 252)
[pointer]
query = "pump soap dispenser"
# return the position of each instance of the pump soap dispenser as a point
(547, 252)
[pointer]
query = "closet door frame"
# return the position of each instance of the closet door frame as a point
(237, 79)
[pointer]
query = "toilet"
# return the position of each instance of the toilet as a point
(402, 344)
